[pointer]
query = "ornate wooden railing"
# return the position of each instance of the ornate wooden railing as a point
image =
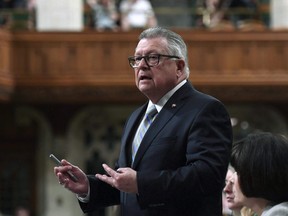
(92, 66)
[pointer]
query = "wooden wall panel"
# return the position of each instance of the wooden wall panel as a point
(73, 61)
(6, 75)
(93, 65)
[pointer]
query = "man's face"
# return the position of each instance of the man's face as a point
(156, 81)
(232, 201)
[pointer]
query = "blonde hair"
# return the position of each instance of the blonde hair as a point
(247, 212)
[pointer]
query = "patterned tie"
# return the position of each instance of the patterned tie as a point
(143, 127)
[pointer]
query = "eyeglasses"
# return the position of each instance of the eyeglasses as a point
(151, 60)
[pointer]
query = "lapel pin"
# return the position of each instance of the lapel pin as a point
(173, 105)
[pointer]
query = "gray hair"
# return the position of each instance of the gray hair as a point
(176, 45)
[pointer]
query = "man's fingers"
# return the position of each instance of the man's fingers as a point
(121, 170)
(123, 179)
(109, 170)
(106, 179)
(102, 177)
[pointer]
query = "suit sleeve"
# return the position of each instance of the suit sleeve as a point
(101, 195)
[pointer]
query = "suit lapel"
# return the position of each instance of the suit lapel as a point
(166, 114)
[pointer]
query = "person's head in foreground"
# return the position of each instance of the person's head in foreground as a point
(261, 178)
(160, 62)
(230, 205)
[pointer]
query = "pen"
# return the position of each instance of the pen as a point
(58, 162)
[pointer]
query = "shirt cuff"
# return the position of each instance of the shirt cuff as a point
(86, 198)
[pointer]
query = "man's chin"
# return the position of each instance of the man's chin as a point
(144, 87)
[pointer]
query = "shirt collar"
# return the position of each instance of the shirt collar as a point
(160, 104)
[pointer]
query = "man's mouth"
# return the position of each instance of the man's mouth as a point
(144, 78)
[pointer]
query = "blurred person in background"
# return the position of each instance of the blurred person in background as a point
(105, 15)
(229, 13)
(22, 211)
(16, 6)
(136, 14)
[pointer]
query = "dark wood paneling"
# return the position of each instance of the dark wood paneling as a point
(87, 66)
(6, 75)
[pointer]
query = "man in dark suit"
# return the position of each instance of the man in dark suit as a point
(180, 166)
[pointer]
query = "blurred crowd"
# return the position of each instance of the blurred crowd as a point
(27, 7)
(131, 14)
(125, 15)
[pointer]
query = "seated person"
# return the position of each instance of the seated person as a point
(137, 14)
(261, 178)
(231, 12)
(231, 206)
(105, 14)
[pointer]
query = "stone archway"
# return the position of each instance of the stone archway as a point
(94, 137)
(25, 116)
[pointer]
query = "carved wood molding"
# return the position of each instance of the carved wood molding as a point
(88, 66)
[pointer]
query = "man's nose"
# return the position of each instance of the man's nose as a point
(143, 63)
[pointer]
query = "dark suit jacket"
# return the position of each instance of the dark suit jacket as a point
(181, 163)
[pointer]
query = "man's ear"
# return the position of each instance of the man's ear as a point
(180, 67)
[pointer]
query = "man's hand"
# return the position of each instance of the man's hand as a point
(80, 187)
(124, 179)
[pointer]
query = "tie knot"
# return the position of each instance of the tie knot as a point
(151, 112)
